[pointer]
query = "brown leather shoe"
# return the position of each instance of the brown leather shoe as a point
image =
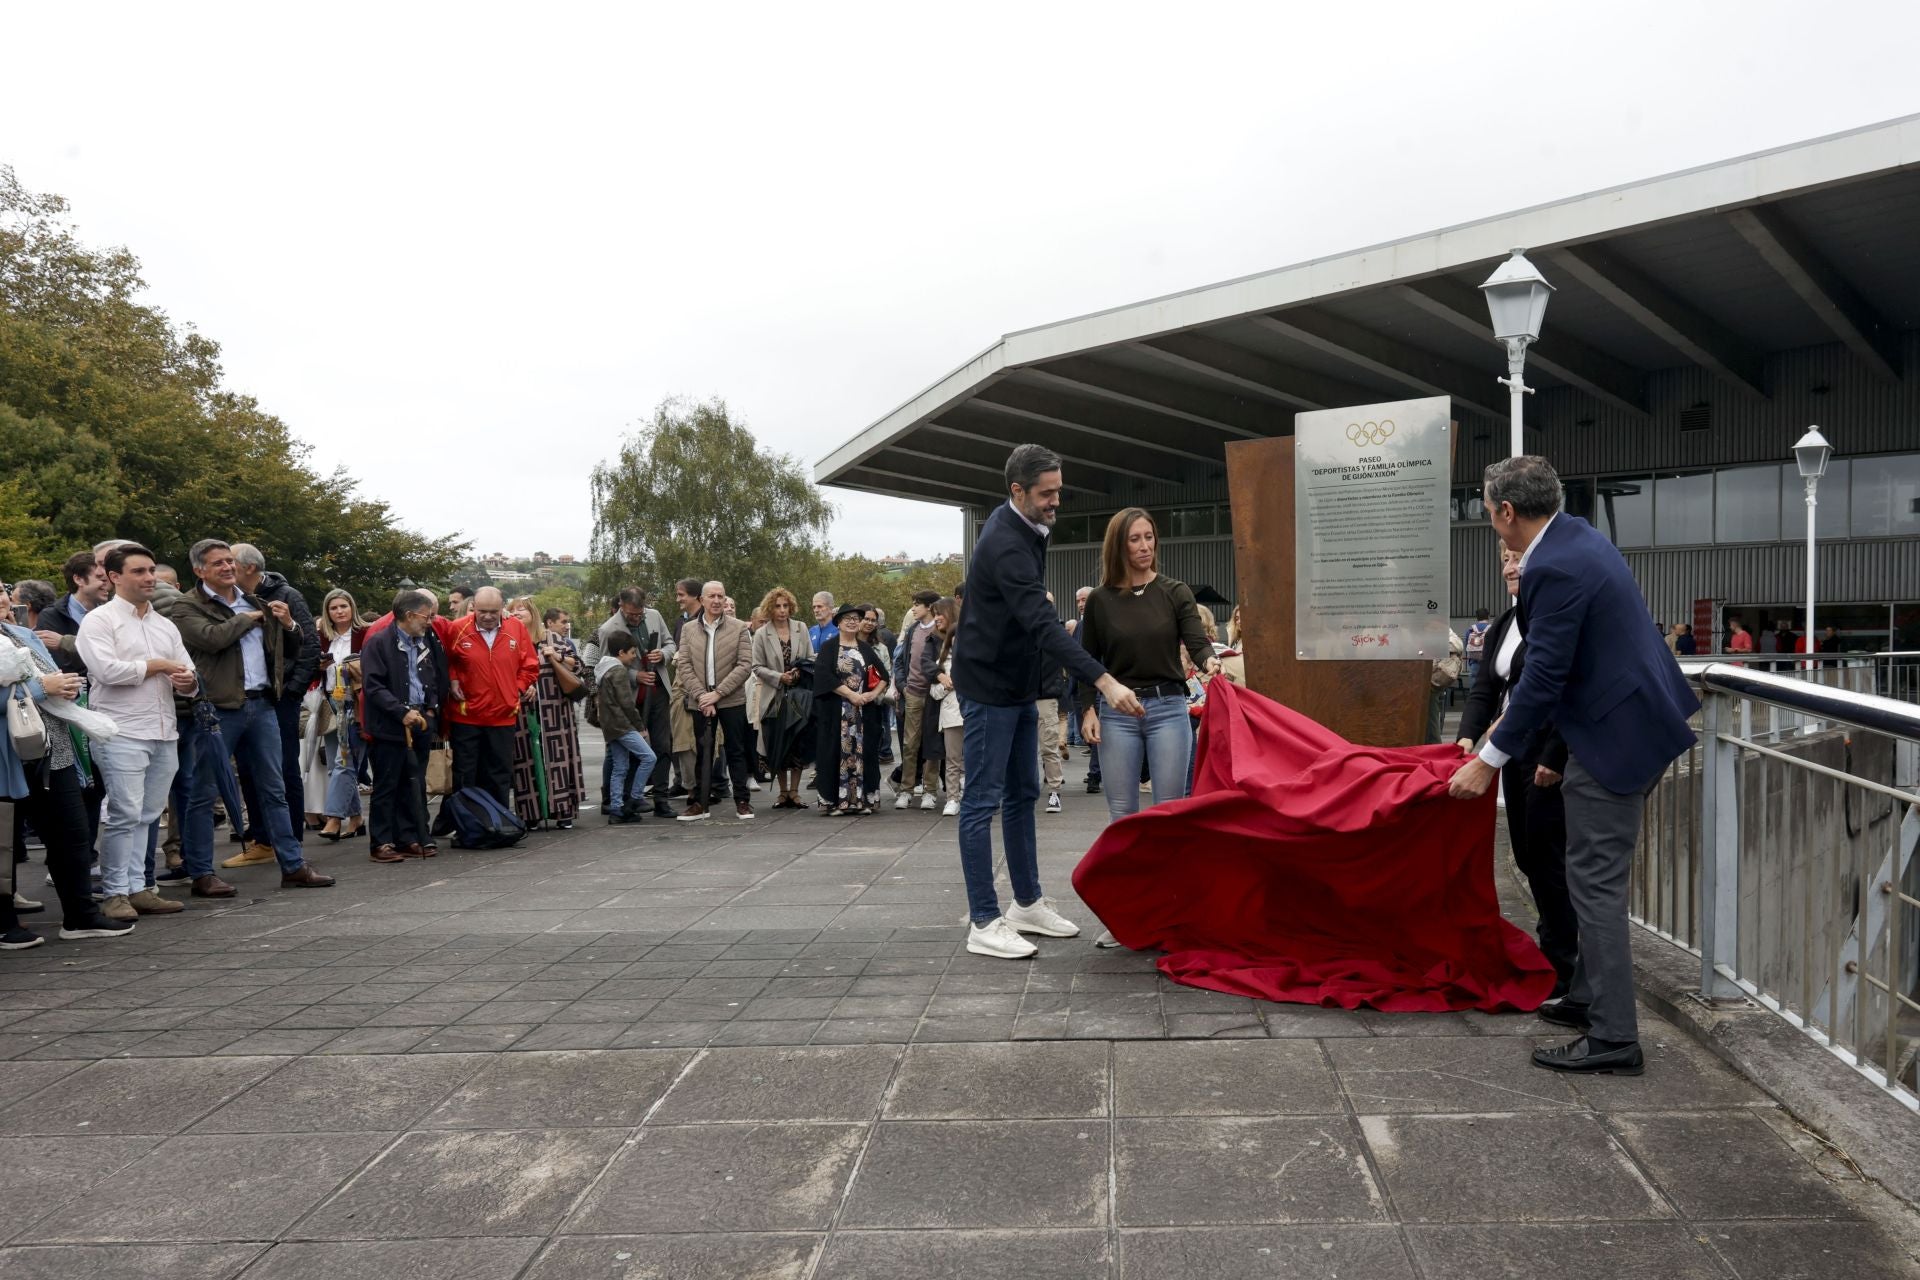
(418, 851)
(212, 886)
(387, 853)
(305, 878)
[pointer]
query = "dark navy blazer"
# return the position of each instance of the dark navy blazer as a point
(1595, 668)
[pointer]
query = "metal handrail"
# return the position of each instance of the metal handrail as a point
(1862, 710)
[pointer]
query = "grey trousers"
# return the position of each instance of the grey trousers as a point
(1602, 828)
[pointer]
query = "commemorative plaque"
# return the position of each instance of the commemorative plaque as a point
(1371, 540)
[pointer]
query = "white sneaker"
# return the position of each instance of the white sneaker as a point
(753, 784)
(952, 810)
(929, 802)
(1053, 802)
(1041, 918)
(905, 801)
(997, 938)
(1106, 941)
(920, 789)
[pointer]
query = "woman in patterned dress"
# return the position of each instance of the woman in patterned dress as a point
(554, 790)
(848, 762)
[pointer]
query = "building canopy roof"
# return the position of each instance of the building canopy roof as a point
(1716, 267)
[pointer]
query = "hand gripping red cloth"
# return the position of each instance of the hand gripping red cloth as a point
(1306, 869)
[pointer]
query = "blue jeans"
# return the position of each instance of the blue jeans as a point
(1002, 750)
(252, 732)
(1164, 739)
(629, 756)
(138, 773)
(203, 754)
(343, 776)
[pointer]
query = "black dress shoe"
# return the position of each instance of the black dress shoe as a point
(1565, 1013)
(1581, 1056)
(661, 809)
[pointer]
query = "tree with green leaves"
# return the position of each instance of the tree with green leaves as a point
(692, 494)
(114, 423)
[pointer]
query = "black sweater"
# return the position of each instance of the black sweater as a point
(1483, 703)
(1008, 632)
(1138, 637)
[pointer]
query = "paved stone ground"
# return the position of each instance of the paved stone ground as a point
(757, 1049)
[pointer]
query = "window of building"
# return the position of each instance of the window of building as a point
(1683, 509)
(1191, 522)
(1464, 507)
(1886, 496)
(1746, 504)
(1624, 507)
(1832, 517)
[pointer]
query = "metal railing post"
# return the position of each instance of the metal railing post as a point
(1720, 853)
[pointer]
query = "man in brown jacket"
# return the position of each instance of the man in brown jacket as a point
(713, 666)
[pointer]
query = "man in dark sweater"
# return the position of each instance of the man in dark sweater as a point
(1009, 636)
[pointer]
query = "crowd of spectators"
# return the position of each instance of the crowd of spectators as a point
(167, 710)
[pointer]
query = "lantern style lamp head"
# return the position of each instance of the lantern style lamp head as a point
(1517, 299)
(1811, 453)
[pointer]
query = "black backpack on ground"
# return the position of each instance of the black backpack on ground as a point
(481, 822)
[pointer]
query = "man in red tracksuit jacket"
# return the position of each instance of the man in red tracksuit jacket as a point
(492, 666)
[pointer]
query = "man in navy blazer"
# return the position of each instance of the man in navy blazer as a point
(404, 680)
(1612, 688)
(1009, 637)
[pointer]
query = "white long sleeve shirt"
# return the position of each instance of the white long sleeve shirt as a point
(115, 642)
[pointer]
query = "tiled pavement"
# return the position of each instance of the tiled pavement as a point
(757, 1049)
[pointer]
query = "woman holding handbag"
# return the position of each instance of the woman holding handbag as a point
(341, 748)
(548, 781)
(847, 687)
(47, 787)
(779, 648)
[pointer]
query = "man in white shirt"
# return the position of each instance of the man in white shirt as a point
(137, 662)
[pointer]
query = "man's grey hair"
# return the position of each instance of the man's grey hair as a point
(823, 597)
(633, 596)
(713, 582)
(412, 600)
(1029, 462)
(198, 553)
(248, 556)
(1529, 482)
(35, 594)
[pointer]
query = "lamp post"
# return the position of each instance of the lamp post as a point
(1811, 454)
(1517, 301)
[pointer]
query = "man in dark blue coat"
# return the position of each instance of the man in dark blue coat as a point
(1009, 638)
(404, 680)
(1609, 684)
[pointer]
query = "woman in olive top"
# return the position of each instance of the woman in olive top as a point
(1136, 623)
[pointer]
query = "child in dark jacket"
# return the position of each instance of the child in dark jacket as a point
(621, 725)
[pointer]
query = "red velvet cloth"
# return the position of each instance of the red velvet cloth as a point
(1306, 869)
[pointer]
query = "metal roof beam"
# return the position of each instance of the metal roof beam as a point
(970, 490)
(998, 473)
(1093, 457)
(893, 490)
(1697, 337)
(1610, 381)
(1406, 366)
(1229, 415)
(1822, 287)
(1128, 428)
(1251, 373)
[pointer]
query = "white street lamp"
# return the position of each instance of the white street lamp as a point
(1517, 301)
(1811, 454)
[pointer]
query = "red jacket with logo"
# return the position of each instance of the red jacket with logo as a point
(490, 680)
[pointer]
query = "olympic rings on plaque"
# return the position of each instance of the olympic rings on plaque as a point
(1363, 434)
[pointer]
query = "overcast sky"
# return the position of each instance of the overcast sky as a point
(462, 249)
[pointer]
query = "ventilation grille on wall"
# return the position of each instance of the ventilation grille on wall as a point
(1697, 418)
